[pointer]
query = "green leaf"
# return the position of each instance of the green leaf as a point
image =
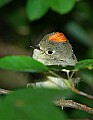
(85, 64)
(32, 104)
(62, 6)
(36, 9)
(22, 63)
(4, 2)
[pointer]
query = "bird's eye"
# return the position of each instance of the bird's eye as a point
(50, 52)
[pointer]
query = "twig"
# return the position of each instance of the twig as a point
(78, 91)
(81, 93)
(72, 104)
(71, 76)
(3, 91)
(70, 85)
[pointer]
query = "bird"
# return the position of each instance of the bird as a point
(54, 49)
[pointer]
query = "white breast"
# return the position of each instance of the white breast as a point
(52, 82)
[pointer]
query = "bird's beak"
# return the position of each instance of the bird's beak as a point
(35, 47)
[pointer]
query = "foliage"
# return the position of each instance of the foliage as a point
(28, 64)
(22, 63)
(30, 102)
(61, 6)
(23, 23)
(88, 63)
(37, 8)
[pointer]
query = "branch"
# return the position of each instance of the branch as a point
(70, 103)
(70, 85)
(3, 91)
(81, 93)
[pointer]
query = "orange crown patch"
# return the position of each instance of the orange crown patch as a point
(58, 37)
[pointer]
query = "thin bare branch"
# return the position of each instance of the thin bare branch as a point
(81, 93)
(70, 103)
(3, 91)
(69, 84)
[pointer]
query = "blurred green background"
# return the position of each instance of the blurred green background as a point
(25, 22)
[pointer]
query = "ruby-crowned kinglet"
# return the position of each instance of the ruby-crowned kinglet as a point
(54, 49)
